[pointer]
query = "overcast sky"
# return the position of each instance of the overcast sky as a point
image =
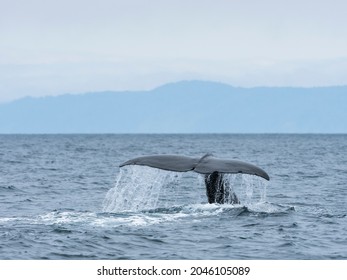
(73, 46)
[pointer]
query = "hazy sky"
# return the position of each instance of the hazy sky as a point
(71, 46)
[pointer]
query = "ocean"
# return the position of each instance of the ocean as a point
(65, 197)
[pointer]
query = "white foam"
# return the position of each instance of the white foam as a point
(6, 220)
(68, 217)
(262, 207)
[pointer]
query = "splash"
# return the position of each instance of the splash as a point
(251, 188)
(139, 188)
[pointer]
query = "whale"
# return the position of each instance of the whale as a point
(212, 168)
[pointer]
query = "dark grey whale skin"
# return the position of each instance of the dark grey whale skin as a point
(205, 165)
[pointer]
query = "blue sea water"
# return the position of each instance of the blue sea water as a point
(64, 197)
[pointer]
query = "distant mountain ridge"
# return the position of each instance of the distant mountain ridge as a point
(183, 107)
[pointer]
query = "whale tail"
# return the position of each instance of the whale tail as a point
(213, 168)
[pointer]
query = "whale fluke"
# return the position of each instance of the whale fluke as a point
(210, 164)
(165, 162)
(205, 165)
(217, 189)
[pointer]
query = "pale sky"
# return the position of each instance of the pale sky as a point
(74, 46)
